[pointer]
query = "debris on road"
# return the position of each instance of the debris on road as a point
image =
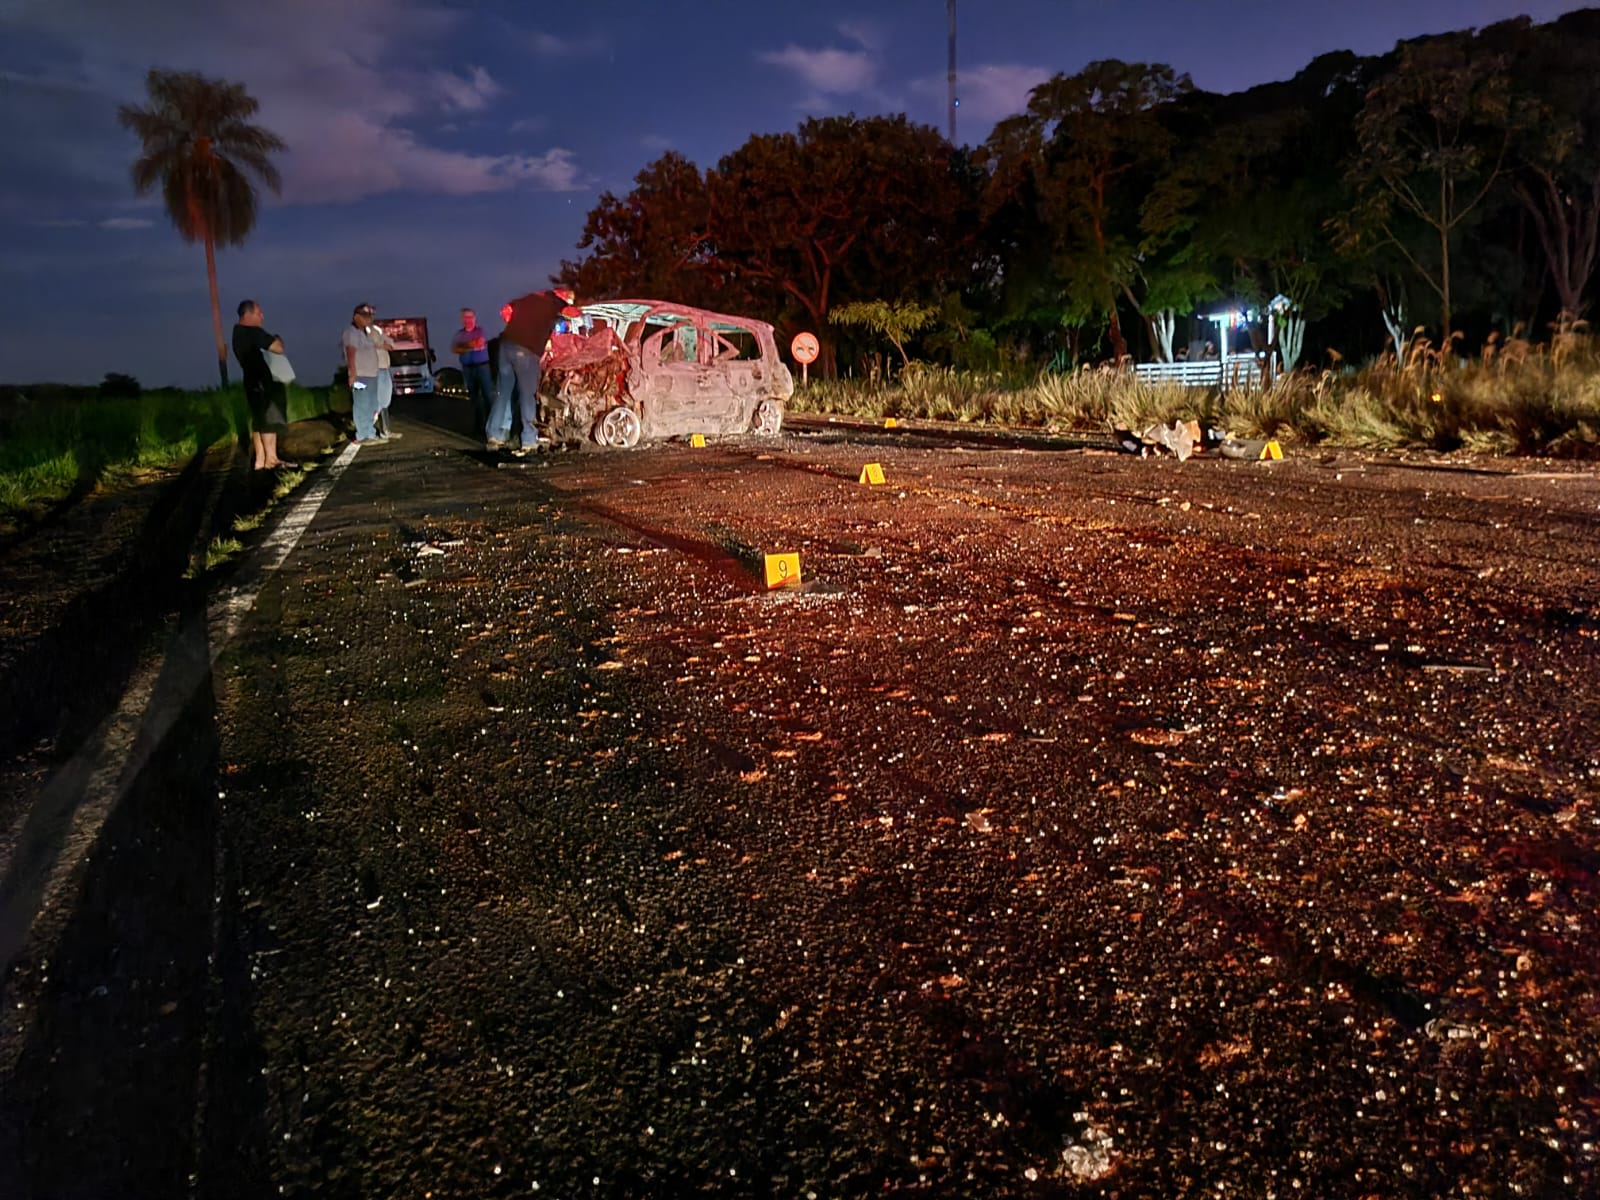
(1179, 438)
(1184, 439)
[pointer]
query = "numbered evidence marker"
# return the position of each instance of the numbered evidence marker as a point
(783, 570)
(872, 473)
(1272, 450)
(891, 423)
(697, 440)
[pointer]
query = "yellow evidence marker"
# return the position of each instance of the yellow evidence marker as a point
(871, 473)
(891, 423)
(697, 440)
(1272, 450)
(783, 570)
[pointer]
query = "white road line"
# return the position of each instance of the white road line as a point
(66, 818)
(229, 606)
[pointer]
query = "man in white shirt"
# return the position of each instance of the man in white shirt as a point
(361, 362)
(383, 343)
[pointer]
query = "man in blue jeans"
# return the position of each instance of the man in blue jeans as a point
(472, 346)
(361, 361)
(521, 347)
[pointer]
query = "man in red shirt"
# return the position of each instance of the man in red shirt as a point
(522, 343)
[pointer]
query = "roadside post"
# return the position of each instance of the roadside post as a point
(805, 349)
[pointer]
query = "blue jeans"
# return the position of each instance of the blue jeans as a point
(364, 407)
(480, 390)
(519, 369)
(384, 398)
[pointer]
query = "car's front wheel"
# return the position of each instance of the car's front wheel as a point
(768, 418)
(620, 428)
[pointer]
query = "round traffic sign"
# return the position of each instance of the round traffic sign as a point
(804, 348)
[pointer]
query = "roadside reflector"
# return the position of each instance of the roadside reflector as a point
(1272, 450)
(697, 440)
(891, 423)
(872, 473)
(783, 570)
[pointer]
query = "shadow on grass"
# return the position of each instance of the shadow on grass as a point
(64, 684)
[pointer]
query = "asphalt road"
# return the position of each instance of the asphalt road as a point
(1082, 825)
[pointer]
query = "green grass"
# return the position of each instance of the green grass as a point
(1540, 403)
(288, 479)
(55, 439)
(221, 550)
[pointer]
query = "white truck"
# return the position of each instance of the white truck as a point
(411, 361)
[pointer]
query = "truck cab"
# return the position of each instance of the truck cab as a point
(411, 361)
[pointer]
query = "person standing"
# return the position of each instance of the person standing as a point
(522, 345)
(497, 363)
(472, 347)
(361, 362)
(263, 394)
(382, 343)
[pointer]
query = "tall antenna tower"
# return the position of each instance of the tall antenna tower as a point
(950, 10)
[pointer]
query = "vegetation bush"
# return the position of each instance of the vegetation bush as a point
(1543, 401)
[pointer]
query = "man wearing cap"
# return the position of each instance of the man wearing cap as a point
(382, 343)
(471, 344)
(361, 362)
(521, 345)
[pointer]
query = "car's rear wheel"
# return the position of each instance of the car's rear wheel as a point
(768, 418)
(620, 428)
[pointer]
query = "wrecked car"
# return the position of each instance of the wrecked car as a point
(634, 370)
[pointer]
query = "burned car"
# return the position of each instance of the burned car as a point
(631, 370)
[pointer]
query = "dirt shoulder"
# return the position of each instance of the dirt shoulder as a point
(86, 588)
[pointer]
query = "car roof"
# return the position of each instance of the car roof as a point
(665, 312)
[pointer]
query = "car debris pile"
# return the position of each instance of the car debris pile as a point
(1184, 439)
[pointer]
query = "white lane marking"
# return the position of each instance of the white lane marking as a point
(65, 819)
(229, 606)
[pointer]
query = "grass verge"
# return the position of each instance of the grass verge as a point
(56, 441)
(1541, 404)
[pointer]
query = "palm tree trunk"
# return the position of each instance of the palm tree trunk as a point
(216, 311)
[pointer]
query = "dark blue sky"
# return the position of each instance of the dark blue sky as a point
(445, 152)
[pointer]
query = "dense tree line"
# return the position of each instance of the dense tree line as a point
(1453, 183)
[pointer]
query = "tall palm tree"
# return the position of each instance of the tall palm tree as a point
(202, 150)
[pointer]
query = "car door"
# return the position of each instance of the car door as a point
(674, 380)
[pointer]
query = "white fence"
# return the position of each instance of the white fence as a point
(1237, 372)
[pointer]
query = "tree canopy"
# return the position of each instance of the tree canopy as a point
(1453, 182)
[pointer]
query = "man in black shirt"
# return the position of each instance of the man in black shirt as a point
(263, 393)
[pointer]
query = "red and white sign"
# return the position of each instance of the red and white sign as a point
(804, 348)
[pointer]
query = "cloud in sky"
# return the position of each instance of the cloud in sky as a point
(865, 33)
(474, 93)
(831, 72)
(122, 223)
(357, 157)
(349, 88)
(550, 45)
(989, 92)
